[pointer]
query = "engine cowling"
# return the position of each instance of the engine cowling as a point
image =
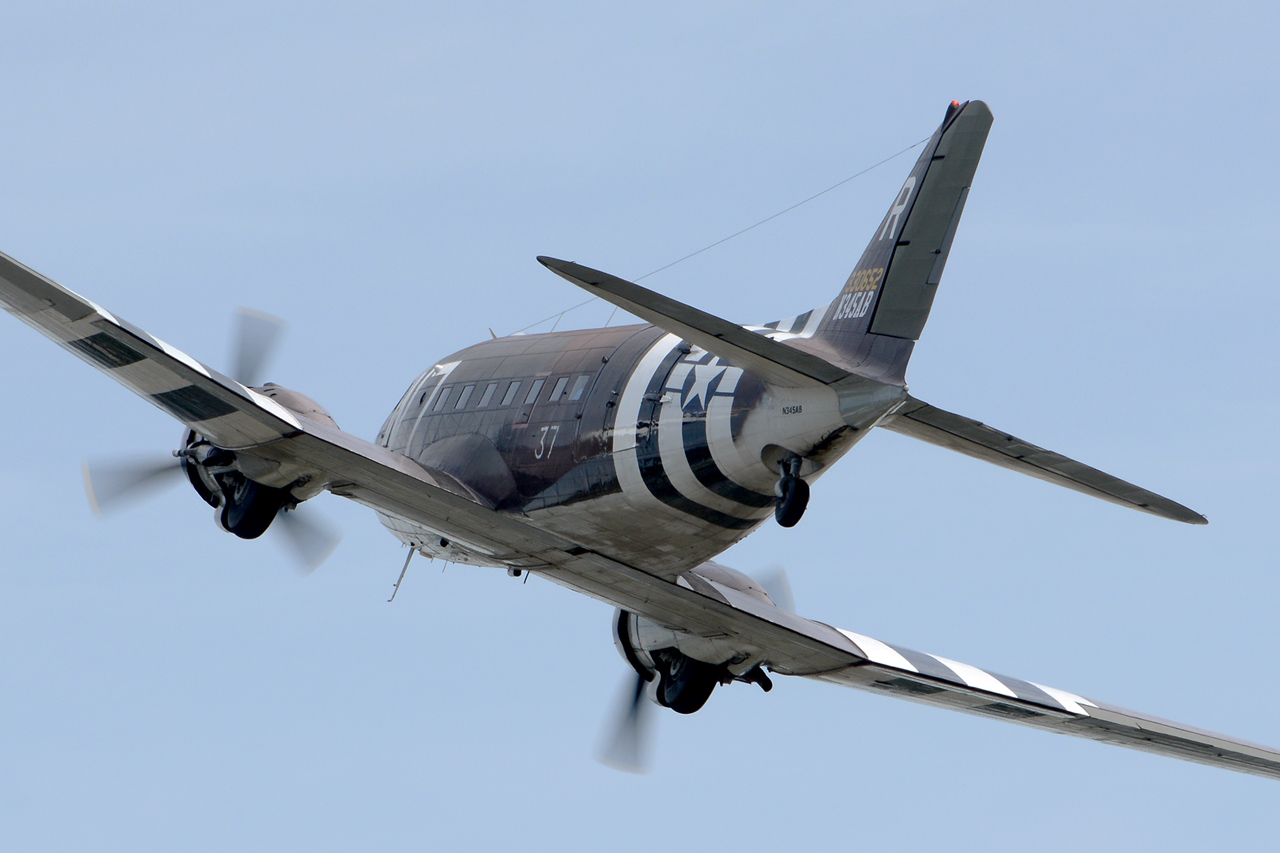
(683, 669)
(247, 490)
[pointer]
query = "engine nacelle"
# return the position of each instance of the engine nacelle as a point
(639, 640)
(684, 668)
(248, 490)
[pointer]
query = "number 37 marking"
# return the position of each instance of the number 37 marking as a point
(545, 449)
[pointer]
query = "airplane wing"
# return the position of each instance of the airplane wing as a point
(792, 645)
(773, 361)
(235, 416)
(239, 418)
(219, 407)
(976, 439)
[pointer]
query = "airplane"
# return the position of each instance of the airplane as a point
(620, 461)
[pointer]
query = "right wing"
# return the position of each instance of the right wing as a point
(974, 438)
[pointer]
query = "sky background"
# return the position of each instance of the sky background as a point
(384, 177)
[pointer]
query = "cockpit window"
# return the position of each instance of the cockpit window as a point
(579, 386)
(442, 398)
(487, 395)
(557, 391)
(533, 391)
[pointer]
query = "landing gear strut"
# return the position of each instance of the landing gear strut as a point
(792, 492)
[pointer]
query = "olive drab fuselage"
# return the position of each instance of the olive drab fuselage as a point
(661, 450)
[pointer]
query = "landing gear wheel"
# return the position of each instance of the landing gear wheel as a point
(249, 508)
(793, 497)
(687, 683)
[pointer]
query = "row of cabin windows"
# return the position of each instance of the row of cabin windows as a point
(486, 397)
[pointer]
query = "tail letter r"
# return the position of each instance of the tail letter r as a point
(891, 221)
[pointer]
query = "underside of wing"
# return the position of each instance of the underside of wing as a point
(976, 439)
(793, 645)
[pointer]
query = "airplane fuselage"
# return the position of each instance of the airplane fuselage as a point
(627, 439)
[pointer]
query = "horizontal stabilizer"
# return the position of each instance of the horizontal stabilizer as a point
(974, 438)
(754, 353)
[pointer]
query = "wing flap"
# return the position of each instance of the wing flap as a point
(974, 438)
(773, 361)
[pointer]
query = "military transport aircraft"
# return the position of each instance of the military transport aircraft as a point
(619, 461)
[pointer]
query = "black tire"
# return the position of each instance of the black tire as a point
(250, 508)
(792, 504)
(688, 683)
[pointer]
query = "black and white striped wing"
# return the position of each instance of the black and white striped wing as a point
(939, 681)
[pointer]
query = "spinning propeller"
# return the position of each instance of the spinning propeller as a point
(115, 484)
(627, 744)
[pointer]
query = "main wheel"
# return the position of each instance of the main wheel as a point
(687, 684)
(792, 502)
(249, 508)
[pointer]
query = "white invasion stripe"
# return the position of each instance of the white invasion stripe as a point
(625, 461)
(1073, 703)
(274, 408)
(624, 425)
(724, 452)
(781, 334)
(815, 319)
(179, 355)
(676, 464)
(977, 678)
(878, 652)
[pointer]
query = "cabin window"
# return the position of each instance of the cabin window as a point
(443, 398)
(534, 390)
(508, 397)
(465, 396)
(487, 395)
(579, 386)
(558, 391)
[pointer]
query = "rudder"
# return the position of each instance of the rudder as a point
(891, 290)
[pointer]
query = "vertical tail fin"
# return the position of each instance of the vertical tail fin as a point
(885, 302)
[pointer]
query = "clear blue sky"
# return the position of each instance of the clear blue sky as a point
(384, 178)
